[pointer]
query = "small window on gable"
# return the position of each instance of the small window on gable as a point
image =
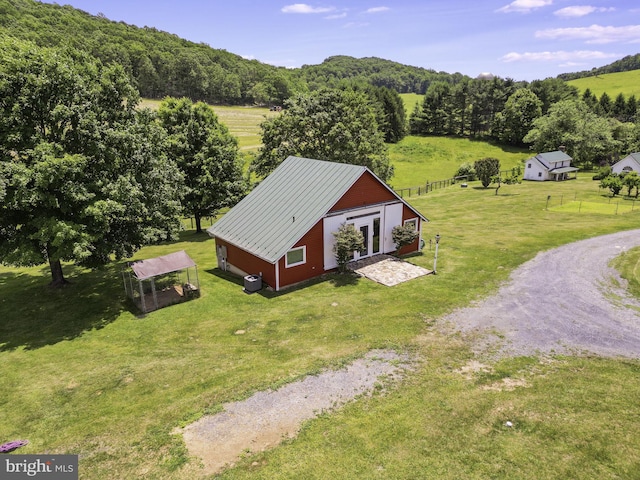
(413, 222)
(296, 256)
(528, 165)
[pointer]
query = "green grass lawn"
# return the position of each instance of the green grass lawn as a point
(421, 159)
(628, 264)
(410, 100)
(627, 83)
(83, 373)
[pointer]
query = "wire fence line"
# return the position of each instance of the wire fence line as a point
(427, 186)
(571, 203)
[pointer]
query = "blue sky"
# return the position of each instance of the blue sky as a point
(520, 39)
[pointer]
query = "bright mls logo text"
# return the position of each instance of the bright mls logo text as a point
(53, 467)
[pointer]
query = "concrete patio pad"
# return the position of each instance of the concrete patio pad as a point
(387, 270)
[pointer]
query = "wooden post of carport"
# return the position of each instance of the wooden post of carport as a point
(142, 302)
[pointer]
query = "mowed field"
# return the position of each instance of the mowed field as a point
(243, 122)
(627, 83)
(417, 160)
(83, 373)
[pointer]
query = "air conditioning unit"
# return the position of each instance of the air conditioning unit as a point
(252, 283)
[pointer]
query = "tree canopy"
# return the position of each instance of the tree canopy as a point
(486, 169)
(85, 176)
(328, 124)
(206, 153)
(516, 119)
(586, 136)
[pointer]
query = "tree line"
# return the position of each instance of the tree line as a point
(87, 176)
(543, 114)
(161, 64)
(625, 64)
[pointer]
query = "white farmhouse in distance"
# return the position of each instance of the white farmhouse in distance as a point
(628, 164)
(554, 166)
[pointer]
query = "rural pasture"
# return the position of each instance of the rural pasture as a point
(627, 83)
(84, 373)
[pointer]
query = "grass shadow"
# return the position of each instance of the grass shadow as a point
(336, 279)
(344, 279)
(34, 315)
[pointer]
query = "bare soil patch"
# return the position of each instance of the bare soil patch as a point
(266, 418)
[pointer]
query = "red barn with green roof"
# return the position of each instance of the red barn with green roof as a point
(283, 230)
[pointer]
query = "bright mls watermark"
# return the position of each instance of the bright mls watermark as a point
(50, 467)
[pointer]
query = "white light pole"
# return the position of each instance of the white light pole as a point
(435, 258)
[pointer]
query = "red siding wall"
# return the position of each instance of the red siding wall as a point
(314, 265)
(366, 191)
(249, 263)
(408, 214)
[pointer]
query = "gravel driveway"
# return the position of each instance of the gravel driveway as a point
(566, 300)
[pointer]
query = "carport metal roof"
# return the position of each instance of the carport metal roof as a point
(152, 267)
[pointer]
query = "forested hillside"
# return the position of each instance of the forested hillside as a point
(630, 62)
(376, 71)
(162, 64)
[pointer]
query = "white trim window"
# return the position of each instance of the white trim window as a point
(413, 222)
(296, 256)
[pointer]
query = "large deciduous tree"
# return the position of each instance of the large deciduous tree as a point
(328, 124)
(206, 153)
(84, 177)
(515, 121)
(586, 136)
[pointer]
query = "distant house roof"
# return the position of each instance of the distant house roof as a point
(564, 170)
(635, 156)
(152, 267)
(549, 158)
(286, 205)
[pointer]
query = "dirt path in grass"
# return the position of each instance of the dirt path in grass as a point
(566, 300)
(266, 418)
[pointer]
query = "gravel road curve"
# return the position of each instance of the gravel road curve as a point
(564, 301)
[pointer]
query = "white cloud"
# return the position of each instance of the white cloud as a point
(580, 10)
(336, 16)
(378, 9)
(559, 55)
(304, 8)
(524, 6)
(594, 34)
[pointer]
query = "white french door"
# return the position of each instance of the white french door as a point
(369, 226)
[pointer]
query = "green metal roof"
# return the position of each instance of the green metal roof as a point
(549, 158)
(285, 205)
(564, 170)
